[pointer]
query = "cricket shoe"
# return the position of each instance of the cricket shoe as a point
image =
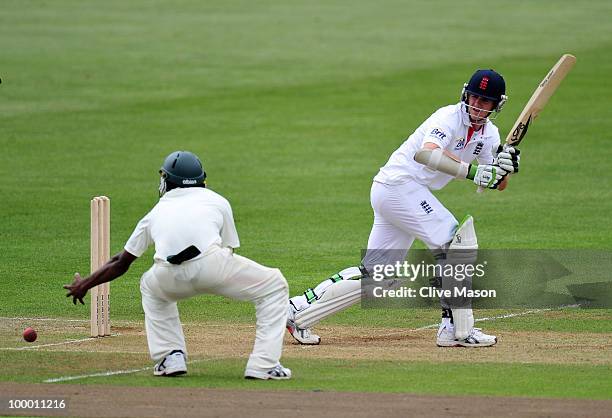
(477, 338)
(301, 335)
(277, 372)
(172, 365)
(446, 336)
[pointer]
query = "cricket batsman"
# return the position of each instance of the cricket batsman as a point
(457, 142)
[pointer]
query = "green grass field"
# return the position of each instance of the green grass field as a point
(293, 107)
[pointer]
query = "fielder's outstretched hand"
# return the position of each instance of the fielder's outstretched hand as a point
(76, 290)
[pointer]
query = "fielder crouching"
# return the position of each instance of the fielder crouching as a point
(445, 147)
(194, 235)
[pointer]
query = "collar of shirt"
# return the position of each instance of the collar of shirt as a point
(179, 191)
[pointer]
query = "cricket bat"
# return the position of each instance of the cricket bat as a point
(538, 100)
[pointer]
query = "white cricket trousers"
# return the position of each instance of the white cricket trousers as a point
(217, 272)
(404, 212)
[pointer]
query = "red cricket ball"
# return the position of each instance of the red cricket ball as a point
(29, 334)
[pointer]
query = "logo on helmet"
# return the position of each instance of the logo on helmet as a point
(483, 83)
(189, 181)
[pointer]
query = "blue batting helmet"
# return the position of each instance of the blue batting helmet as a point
(488, 84)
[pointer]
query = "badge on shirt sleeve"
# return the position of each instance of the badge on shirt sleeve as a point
(438, 133)
(460, 144)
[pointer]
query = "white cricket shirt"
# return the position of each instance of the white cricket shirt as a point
(448, 127)
(183, 217)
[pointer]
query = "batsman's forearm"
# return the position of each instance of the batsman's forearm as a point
(437, 160)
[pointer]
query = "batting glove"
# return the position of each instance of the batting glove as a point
(488, 176)
(508, 158)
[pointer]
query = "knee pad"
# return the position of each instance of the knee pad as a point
(463, 249)
(464, 237)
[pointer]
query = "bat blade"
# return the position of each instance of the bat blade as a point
(539, 98)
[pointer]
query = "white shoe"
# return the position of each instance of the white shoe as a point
(477, 338)
(301, 335)
(446, 336)
(172, 365)
(277, 372)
